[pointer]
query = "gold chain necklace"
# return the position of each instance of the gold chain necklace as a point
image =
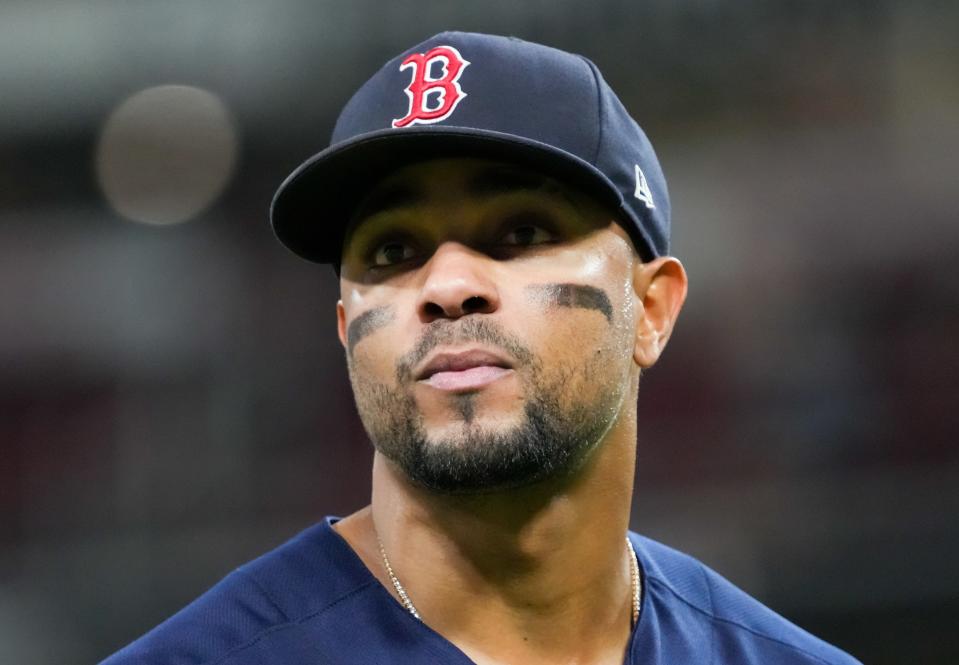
(408, 604)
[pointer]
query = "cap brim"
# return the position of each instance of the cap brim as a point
(313, 206)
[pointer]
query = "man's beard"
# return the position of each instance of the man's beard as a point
(554, 436)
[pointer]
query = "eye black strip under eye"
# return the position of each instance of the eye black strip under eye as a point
(367, 323)
(574, 295)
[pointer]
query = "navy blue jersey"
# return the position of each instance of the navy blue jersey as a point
(312, 601)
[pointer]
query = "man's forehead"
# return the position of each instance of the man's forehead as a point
(474, 178)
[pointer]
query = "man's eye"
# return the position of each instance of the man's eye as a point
(390, 253)
(526, 235)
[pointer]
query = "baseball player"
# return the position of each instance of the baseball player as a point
(500, 228)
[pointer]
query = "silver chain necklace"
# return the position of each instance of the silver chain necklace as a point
(408, 604)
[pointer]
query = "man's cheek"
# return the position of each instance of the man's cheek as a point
(373, 362)
(566, 334)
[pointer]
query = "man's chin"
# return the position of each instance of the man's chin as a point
(462, 459)
(476, 430)
(494, 408)
(448, 480)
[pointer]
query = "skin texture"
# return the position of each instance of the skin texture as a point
(502, 505)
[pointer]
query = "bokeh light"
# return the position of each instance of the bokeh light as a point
(166, 153)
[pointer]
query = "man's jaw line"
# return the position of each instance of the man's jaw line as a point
(508, 515)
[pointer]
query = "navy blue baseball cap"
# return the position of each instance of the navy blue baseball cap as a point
(473, 95)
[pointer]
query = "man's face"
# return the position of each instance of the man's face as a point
(488, 317)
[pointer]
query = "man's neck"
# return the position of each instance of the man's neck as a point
(538, 574)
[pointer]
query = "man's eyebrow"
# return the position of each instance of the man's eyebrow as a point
(399, 195)
(487, 182)
(503, 180)
(498, 180)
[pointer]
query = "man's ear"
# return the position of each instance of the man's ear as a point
(341, 322)
(660, 287)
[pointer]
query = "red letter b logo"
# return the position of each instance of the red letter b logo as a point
(433, 99)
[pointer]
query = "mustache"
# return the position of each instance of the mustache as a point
(461, 331)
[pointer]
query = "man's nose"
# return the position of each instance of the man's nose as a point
(458, 282)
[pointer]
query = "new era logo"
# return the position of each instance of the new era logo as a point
(643, 192)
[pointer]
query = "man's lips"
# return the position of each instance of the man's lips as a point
(466, 370)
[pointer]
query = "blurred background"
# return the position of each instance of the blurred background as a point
(173, 400)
